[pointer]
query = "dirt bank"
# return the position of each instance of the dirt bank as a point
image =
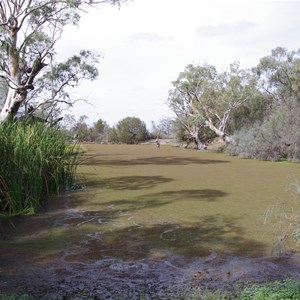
(71, 276)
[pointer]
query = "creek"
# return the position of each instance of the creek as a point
(147, 224)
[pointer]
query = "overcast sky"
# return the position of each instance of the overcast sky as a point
(147, 43)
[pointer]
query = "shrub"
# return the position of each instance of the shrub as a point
(277, 137)
(285, 216)
(132, 130)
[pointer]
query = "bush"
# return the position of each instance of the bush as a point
(285, 216)
(35, 160)
(277, 137)
(132, 130)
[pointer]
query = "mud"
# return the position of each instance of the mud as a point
(170, 277)
(64, 253)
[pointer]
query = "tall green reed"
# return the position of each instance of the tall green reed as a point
(35, 160)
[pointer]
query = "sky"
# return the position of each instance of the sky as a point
(145, 44)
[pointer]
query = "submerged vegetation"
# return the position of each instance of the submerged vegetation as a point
(36, 160)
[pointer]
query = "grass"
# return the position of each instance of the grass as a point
(285, 290)
(35, 160)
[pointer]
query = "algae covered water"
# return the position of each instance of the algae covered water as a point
(150, 222)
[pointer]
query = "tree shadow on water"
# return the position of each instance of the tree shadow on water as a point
(160, 199)
(188, 194)
(155, 160)
(197, 239)
(91, 236)
(123, 183)
(129, 182)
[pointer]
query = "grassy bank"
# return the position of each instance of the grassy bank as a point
(35, 160)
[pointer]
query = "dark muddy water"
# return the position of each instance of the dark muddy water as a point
(140, 231)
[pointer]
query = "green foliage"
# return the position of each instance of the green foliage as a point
(260, 107)
(163, 129)
(35, 160)
(100, 126)
(185, 131)
(132, 130)
(253, 111)
(273, 133)
(277, 137)
(29, 32)
(80, 131)
(244, 145)
(278, 74)
(203, 97)
(113, 136)
(285, 290)
(202, 295)
(278, 290)
(99, 131)
(54, 83)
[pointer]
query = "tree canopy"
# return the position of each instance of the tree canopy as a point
(256, 111)
(131, 130)
(203, 97)
(29, 30)
(275, 134)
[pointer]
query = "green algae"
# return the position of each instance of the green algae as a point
(143, 202)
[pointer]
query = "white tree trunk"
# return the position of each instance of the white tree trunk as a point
(199, 144)
(195, 135)
(12, 103)
(219, 132)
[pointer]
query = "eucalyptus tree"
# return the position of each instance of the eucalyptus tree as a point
(81, 129)
(29, 31)
(99, 131)
(277, 134)
(191, 131)
(279, 75)
(163, 128)
(182, 99)
(208, 98)
(3, 91)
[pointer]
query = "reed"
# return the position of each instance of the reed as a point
(35, 160)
